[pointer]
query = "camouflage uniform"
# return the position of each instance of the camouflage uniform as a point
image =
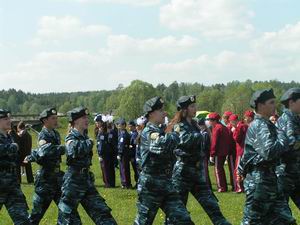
(49, 178)
(289, 122)
(189, 172)
(264, 146)
(11, 194)
(78, 186)
(155, 189)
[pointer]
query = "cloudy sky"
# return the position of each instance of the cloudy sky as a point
(79, 45)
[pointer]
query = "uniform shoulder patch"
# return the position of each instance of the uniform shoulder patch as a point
(42, 142)
(154, 136)
(69, 142)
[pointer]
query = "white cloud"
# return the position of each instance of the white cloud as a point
(285, 40)
(124, 44)
(217, 18)
(125, 2)
(274, 55)
(53, 29)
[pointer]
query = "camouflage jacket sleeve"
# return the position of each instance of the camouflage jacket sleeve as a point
(160, 143)
(286, 124)
(269, 145)
(7, 149)
(189, 139)
(45, 150)
(77, 148)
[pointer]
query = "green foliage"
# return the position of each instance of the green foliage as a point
(128, 101)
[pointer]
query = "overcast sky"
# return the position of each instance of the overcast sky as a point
(79, 45)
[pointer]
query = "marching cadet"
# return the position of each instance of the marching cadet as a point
(189, 171)
(106, 155)
(49, 178)
(123, 154)
(289, 122)
(264, 147)
(132, 149)
(78, 186)
(11, 194)
(155, 189)
(219, 149)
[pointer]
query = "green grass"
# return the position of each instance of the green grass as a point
(123, 202)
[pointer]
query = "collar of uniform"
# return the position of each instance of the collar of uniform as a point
(76, 133)
(259, 117)
(153, 126)
(294, 117)
(3, 133)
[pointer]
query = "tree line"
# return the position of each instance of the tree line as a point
(128, 101)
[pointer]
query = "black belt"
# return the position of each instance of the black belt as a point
(51, 170)
(8, 169)
(165, 171)
(264, 168)
(80, 170)
(190, 162)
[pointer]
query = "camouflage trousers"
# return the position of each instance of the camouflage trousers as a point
(265, 203)
(154, 192)
(79, 188)
(12, 197)
(48, 189)
(192, 179)
(289, 182)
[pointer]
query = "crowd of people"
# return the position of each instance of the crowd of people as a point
(169, 161)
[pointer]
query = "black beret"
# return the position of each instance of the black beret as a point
(292, 93)
(201, 121)
(47, 112)
(152, 105)
(4, 113)
(184, 101)
(132, 123)
(121, 121)
(76, 113)
(98, 118)
(261, 96)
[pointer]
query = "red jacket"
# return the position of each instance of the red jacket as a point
(239, 135)
(220, 141)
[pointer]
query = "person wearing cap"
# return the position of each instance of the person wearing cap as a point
(189, 172)
(11, 194)
(140, 125)
(231, 158)
(49, 176)
(106, 154)
(248, 117)
(155, 189)
(239, 130)
(98, 122)
(132, 149)
(221, 142)
(264, 148)
(124, 154)
(225, 118)
(289, 122)
(78, 185)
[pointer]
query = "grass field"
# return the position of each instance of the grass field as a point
(123, 202)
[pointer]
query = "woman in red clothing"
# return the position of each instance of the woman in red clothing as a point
(239, 129)
(219, 150)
